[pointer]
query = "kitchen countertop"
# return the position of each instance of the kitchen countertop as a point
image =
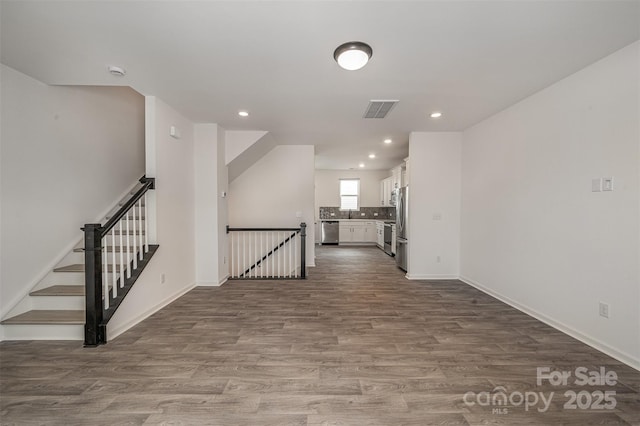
(359, 220)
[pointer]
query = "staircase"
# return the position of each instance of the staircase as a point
(55, 308)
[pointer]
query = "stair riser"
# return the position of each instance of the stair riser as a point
(70, 303)
(43, 332)
(65, 278)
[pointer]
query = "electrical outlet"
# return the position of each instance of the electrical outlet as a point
(604, 310)
(162, 278)
(607, 183)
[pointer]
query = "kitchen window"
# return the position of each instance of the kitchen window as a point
(349, 193)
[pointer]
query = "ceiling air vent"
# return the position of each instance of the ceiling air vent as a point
(379, 109)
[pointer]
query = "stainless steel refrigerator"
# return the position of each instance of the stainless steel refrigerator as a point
(402, 215)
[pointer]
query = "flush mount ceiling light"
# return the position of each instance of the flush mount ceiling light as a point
(353, 55)
(117, 71)
(436, 114)
(388, 141)
(361, 165)
(372, 156)
(243, 113)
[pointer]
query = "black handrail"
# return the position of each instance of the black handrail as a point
(96, 316)
(147, 184)
(262, 229)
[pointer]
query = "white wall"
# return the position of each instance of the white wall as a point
(434, 205)
(67, 155)
(533, 233)
(237, 141)
(328, 186)
(211, 206)
(223, 220)
(172, 164)
(274, 189)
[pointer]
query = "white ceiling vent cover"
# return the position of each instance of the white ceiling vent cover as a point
(379, 109)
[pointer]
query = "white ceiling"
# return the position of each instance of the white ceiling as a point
(209, 59)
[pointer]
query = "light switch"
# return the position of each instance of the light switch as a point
(607, 184)
(437, 216)
(596, 185)
(174, 132)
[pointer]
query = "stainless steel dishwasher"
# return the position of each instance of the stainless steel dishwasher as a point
(330, 232)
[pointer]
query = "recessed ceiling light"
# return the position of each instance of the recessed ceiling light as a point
(436, 114)
(372, 156)
(388, 141)
(243, 113)
(353, 55)
(361, 165)
(117, 71)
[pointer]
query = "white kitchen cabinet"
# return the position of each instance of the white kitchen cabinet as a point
(396, 177)
(345, 233)
(357, 232)
(406, 172)
(386, 187)
(370, 234)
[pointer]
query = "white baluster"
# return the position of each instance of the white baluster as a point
(105, 276)
(121, 256)
(290, 256)
(133, 237)
(114, 288)
(146, 227)
(128, 246)
(140, 232)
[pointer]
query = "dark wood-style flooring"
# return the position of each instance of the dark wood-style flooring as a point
(355, 344)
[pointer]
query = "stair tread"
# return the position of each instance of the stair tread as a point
(60, 290)
(79, 267)
(47, 317)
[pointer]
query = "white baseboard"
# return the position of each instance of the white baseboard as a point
(431, 277)
(224, 279)
(115, 332)
(584, 338)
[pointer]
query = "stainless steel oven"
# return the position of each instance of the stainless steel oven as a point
(388, 233)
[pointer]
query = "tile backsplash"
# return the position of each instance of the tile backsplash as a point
(380, 213)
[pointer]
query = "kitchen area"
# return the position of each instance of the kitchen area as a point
(363, 208)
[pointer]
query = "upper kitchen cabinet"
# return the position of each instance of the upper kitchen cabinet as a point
(396, 177)
(386, 188)
(405, 173)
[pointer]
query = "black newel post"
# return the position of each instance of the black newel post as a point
(94, 332)
(303, 250)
